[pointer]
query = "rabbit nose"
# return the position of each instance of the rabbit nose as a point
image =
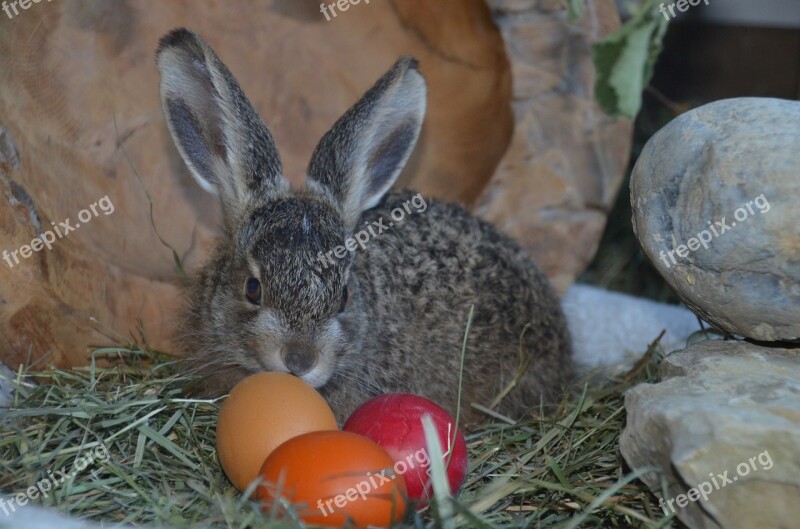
(299, 360)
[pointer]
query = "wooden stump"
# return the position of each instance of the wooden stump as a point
(511, 130)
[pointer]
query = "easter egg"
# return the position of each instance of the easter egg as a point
(394, 421)
(263, 411)
(331, 477)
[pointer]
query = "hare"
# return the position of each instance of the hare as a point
(294, 286)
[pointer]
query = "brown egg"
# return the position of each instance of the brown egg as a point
(263, 411)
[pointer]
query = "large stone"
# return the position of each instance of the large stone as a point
(714, 198)
(722, 409)
(554, 187)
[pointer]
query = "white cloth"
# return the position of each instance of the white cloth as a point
(611, 330)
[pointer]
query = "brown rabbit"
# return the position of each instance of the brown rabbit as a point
(295, 285)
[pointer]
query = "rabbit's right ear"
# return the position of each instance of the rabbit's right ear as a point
(360, 158)
(222, 140)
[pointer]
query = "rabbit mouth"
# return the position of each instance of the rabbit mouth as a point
(315, 378)
(320, 373)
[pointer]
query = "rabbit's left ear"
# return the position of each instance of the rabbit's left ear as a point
(226, 146)
(360, 158)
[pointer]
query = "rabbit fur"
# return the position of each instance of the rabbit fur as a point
(388, 315)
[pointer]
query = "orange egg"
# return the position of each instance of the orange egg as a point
(331, 477)
(263, 411)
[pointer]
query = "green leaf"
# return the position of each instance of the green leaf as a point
(625, 61)
(574, 9)
(627, 76)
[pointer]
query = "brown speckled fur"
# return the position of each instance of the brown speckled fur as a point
(410, 288)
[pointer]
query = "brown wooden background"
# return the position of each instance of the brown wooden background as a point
(512, 131)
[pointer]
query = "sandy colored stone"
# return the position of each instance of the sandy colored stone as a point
(554, 187)
(719, 405)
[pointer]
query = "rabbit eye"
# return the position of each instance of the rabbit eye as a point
(345, 298)
(252, 289)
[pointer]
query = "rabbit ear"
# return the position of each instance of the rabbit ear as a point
(224, 143)
(359, 159)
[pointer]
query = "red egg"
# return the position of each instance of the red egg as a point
(394, 421)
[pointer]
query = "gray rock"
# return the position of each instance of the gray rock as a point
(6, 386)
(727, 409)
(715, 207)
